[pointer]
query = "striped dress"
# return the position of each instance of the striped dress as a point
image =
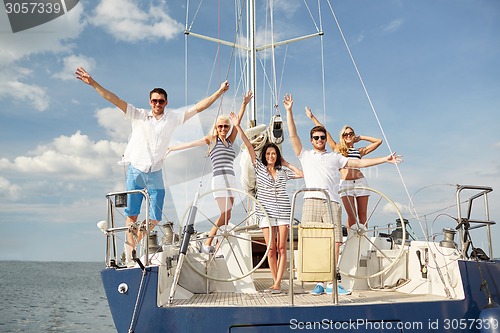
(272, 193)
(222, 158)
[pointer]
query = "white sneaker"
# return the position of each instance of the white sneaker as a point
(130, 264)
(318, 290)
(207, 249)
(340, 290)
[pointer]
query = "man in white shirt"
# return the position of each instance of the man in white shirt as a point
(146, 149)
(321, 170)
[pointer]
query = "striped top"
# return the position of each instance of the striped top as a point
(353, 153)
(272, 193)
(222, 158)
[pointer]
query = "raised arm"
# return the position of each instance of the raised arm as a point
(331, 142)
(246, 100)
(292, 129)
(200, 142)
(81, 74)
(236, 120)
(374, 144)
(208, 101)
(298, 172)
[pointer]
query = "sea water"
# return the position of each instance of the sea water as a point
(53, 297)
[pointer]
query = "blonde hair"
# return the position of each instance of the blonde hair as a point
(342, 146)
(213, 133)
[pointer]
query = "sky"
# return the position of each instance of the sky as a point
(431, 69)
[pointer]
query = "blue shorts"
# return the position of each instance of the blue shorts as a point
(153, 182)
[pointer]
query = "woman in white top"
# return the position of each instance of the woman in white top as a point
(272, 172)
(355, 201)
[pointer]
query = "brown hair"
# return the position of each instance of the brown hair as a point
(160, 91)
(268, 145)
(317, 129)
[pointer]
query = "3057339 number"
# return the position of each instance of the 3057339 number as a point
(462, 324)
(33, 8)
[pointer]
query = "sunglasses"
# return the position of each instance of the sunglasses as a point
(223, 126)
(317, 137)
(348, 134)
(158, 101)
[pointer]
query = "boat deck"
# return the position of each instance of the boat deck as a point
(302, 297)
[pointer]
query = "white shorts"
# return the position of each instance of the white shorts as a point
(264, 222)
(348, 186)
(221, 182)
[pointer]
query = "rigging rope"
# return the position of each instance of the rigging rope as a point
(275, 97)
(319, 29)
(412, 206)
(136, 306)
(369, 99)
(216, 60)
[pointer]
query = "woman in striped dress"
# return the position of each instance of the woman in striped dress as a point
(220, 144)
(272, 172)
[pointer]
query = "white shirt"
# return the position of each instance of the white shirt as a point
(321, 170)
(150, 137)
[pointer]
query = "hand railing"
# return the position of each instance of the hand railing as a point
(464, 222)
(111, 229)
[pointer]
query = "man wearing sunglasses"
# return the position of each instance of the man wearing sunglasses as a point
(151, 133)
(321, 170)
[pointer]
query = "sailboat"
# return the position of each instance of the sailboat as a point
(399, 282)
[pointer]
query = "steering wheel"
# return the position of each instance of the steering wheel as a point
(232, 236)
(359, 241)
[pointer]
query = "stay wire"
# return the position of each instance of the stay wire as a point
(188, 28)
(412, 206)
(369, 100)
(323, 83)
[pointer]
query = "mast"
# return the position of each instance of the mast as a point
(252, 59)
(249, 46)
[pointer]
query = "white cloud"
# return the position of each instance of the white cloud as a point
(8, 190)
(70, 63)
(286, 7)
(16, 47)
(389, 208)
(73, 157)
(393, 26)
(132, 24)
(49, 37)
(359, 38)
(11, 86)
(113, 121)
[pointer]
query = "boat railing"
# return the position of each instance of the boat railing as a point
(335, 298)
(466, 223)
(111, 229)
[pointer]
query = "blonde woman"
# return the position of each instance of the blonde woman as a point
(355, 201)
(220, 143)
